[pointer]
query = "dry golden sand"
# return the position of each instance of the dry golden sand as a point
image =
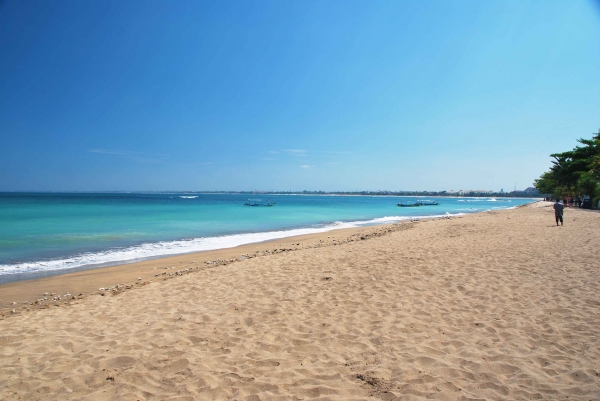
(500, 305)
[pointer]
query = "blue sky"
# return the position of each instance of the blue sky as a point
(293, 95)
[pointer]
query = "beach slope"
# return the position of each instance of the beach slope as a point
(499, 305)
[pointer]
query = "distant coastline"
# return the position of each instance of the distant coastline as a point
(467, 194)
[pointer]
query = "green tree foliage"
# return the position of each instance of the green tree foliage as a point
(574, 172)
(596, 167)
(587, 184)
(546, 184)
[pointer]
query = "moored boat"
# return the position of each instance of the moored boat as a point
(418, 203)
(258, 202)
(408, 204)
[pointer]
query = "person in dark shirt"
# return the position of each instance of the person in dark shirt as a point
(558, 212)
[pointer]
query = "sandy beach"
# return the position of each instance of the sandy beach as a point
(497, 305)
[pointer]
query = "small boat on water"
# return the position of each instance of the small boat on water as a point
(418, 203)
(408, 204)
(258, 202)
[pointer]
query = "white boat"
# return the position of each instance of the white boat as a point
(258, 202)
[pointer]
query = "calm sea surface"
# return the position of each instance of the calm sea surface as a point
(43, 234)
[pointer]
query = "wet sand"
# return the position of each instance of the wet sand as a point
(499, 305)
(24, 294)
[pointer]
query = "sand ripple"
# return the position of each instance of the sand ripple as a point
(491, 306)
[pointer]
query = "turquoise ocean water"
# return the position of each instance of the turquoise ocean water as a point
(45, 234)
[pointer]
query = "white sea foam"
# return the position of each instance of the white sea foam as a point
(188, 197)
(484, 200)
(166, 248)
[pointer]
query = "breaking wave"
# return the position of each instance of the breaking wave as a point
(166, 248)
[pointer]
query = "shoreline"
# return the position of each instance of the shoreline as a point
(87, 282)
(269, 236)
(483, 306)
(126, 254)
(124, 275)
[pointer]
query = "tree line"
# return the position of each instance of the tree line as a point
(575, 172)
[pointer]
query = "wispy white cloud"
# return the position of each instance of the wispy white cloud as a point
(140, 157)
(297, 152)
(115, 152)
(338, 152)
(312, 155)
(305, 152)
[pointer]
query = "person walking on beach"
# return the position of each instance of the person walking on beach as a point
(558, 212)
